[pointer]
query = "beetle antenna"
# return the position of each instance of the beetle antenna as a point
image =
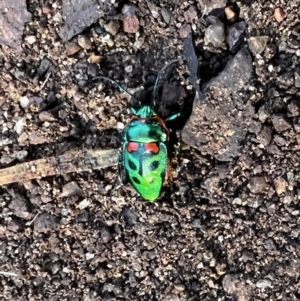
(118, 85)
(159, 75)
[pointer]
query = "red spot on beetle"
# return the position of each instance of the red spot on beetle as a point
(132, 147)
(152, 147)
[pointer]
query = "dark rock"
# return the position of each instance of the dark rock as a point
(257, 185)
(193, 64)
(218, 125)
(78, 15)
(270, 245)
(92, 70)
(43, 68)
(297, 79)
(129, 216)
(235, 35)
(99, 29)
(20, 206)
(166, 14)
(255, 127)
(235, 286)
(44, 223)
(70, 189)
(83, 217)
(128, 10)
(296, 30)
(279, 140)
(13, 17)
(265, 136)
(280, 122)
(294, 109)
(15, 225)
(106, 235)
(196, 223)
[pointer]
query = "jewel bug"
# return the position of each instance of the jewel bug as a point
(145, 150)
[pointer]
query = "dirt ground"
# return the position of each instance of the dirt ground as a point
(226, 227)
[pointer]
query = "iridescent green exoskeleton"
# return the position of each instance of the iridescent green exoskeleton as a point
(145, 144)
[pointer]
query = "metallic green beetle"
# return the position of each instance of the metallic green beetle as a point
(145, 142)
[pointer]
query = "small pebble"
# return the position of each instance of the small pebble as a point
(19, 126)
(282, 47)
(120, 126)
(84, 42)
(106, 235)
(131, 24)
(57, 18)
(264, 284)
(280, 185)
(128, 69)
(30, 39)
(21, 155)
(280, 122)
(270, 68)
(166, 14)
(258, 44)
(257, 185)
(108, 40)
(279, 14)
(84, 204)
(24, 102)
(70, 189)
(89, 256)
(92, 70)
(184, 31)
(99, 29)
(43, 67)
(231, 15)
(72, 48)
(113, 27)
(215, 33)
(128, 9)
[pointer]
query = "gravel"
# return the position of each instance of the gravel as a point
(226, 226)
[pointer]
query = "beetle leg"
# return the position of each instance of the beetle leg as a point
(172, 117)
(168, 173)
(177, 150)
(158, 77)
(119, 181)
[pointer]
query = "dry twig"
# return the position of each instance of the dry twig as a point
(74, 161)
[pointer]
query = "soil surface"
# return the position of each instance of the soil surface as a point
(227, 225)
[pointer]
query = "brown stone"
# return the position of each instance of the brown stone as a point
(231, 15)
(131, 24)
(279, 14)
